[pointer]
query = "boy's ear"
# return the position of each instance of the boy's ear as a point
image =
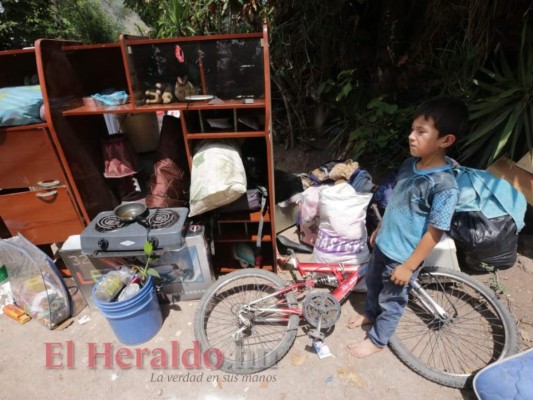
(448, 140)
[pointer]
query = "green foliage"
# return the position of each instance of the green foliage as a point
(371, 127)
(380, 130)
(145, 270)
(172, 18)
(23, 21)
(86, 21)
(494, 281)
(453, 68)
(503, 117)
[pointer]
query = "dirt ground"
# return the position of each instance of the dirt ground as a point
(56, 365)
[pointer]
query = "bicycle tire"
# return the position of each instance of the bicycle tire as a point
(481, 331)
(216, 319)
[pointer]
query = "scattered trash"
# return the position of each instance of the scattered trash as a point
(178, 333)
(329, 379)
(16, 313)
(321, 348)
(83, 320)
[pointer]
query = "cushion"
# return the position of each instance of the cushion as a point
(20, 105)
(217, 176)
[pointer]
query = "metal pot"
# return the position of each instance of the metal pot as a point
(133, 211)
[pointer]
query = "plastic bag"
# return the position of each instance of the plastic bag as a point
(342, 235)
(492, 241)
(250, 201)
(217, 176)
(35, 281)
(111, 99)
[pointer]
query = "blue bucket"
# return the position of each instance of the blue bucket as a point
(134, 320)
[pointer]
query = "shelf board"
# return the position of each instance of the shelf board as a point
(226, 269)
(228, 104)
(23, 127)
(242, 217)
(98, 110)
(130, 40)
(133, 109)
(237, 237)
(201, 105)
(225, 135)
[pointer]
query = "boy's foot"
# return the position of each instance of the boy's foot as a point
(363, 349)
(357, 321)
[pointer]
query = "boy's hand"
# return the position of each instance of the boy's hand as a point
(401, 275)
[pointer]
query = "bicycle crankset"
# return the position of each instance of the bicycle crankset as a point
(321, 309)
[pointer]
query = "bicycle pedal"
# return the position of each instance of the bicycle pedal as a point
(316, 334)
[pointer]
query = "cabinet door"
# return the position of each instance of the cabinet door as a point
(43, 216)
(27, 158)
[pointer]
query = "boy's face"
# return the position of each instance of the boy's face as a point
(424, 139)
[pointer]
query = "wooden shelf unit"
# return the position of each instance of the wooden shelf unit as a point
(73, 71)
(37, 198)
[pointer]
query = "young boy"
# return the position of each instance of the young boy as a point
(420, 210)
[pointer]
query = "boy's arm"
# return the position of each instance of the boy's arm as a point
(403, 272)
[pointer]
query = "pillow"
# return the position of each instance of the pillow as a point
(20, 105)
(217, 176)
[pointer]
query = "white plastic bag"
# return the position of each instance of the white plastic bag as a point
(309, 214)
(217, 176)
(35, 281)
(342, 235)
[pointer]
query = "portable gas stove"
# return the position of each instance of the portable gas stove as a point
(109, 235)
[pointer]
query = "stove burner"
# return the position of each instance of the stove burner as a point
(161, 219)
(109, 223)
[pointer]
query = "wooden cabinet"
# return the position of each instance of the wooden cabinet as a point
(233, 70)
(35, 196)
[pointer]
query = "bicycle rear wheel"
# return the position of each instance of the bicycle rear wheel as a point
(250, 341)
(478, 331)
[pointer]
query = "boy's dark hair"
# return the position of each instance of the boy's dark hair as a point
(449, 114)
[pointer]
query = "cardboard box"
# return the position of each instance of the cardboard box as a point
(517, 175)
(186, 272)
(285, 217)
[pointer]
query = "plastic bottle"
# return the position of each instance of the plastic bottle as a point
(5, 288)
(108, 287)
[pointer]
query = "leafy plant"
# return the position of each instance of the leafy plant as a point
(146, 270)
(494, 281)
(375, 131)
(503, 120)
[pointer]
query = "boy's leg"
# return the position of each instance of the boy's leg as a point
(392, 301)
(374, 283)
(373, 287)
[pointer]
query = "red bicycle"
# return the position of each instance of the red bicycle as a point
(453, 325)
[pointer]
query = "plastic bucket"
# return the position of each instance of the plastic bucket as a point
(134, 320)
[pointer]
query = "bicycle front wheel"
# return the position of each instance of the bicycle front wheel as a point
(478, 329)
(242, 318)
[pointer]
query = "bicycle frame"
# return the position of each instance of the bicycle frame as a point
(347, 276)
(338, 270)
(345, 283)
